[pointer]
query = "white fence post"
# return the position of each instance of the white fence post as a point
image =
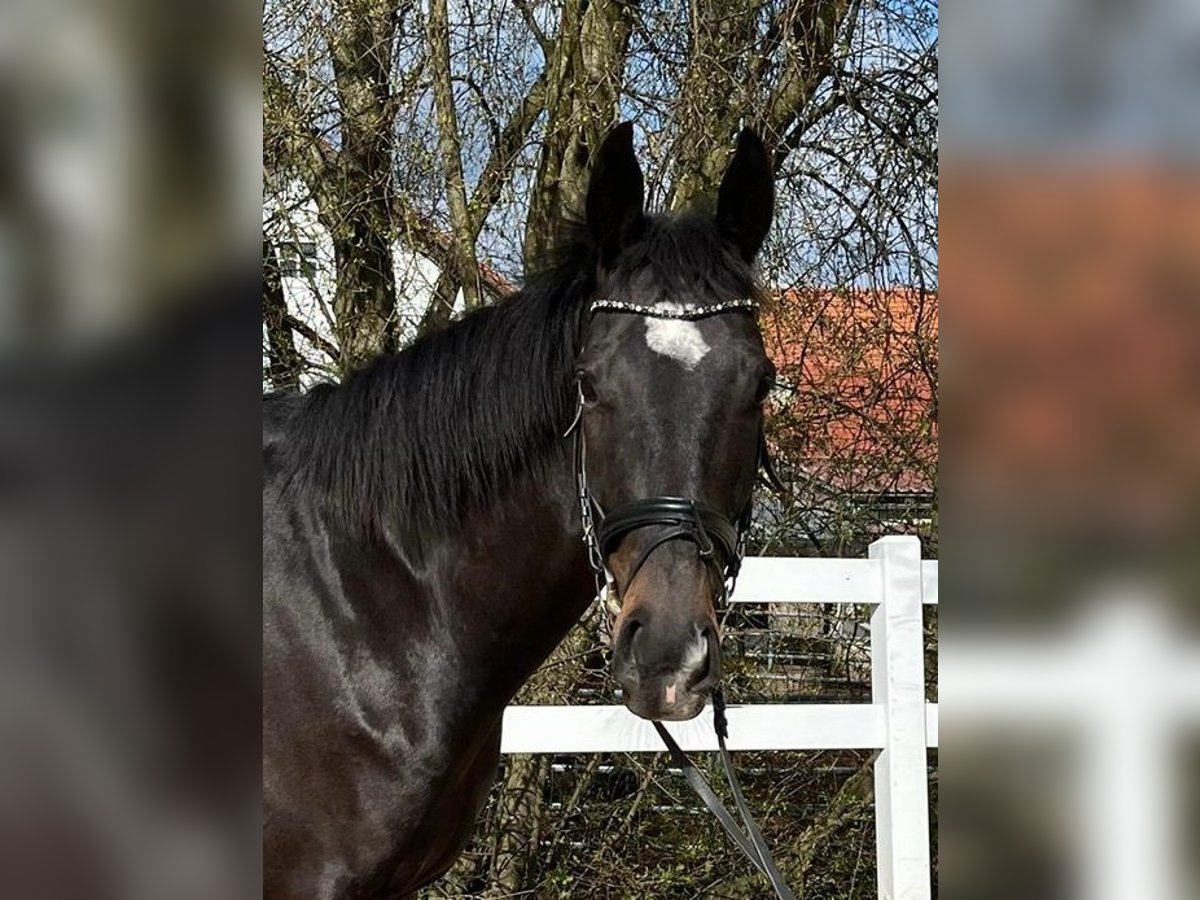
(898, 684)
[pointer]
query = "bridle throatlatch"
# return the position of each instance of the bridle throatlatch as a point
(721, 545)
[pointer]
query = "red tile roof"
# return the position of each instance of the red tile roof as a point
(857, 370)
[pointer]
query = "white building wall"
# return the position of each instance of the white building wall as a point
(290, 219)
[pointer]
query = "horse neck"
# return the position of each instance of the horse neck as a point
(515, 580)
(506, 580)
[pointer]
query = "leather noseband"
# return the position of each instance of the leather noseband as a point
(683, 519)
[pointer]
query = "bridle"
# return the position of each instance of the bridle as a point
(720, 541)
(721, 545)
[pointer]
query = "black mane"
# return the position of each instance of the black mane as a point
(413, 441)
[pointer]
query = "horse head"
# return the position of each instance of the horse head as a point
(671, 376)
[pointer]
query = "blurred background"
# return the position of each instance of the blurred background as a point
(196, 196)
(1071, 237)
(130, 184)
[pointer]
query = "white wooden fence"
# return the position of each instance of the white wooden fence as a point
(898, 722)
(1121, 684)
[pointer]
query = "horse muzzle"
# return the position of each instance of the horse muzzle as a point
(666, 669)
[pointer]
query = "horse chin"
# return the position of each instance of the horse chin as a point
(685, 707)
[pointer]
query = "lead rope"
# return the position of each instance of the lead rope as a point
(769, 868)
(750, 841)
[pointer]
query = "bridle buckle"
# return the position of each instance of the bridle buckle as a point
(703, 542)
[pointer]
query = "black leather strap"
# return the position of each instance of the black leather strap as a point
(691, 517)
(750, 842)
(697, 783)
(769, 868)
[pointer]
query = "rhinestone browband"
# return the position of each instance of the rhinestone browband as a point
(675, 310)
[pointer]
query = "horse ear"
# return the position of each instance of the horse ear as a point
(746, 200)
(616, 193)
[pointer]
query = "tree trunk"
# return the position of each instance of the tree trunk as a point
(364, 301)
(283, 360)
(496, 172)
(519, 817)
(360, 182)
(464, 271)
(584, 87)
(728, 50)
(723, 40)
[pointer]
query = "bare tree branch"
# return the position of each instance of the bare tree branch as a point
(496, 172)
(466, 266)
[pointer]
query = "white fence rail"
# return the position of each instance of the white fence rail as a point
(898, 721)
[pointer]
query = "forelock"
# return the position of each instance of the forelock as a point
(681, 257)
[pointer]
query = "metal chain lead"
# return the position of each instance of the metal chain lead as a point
(604, 583)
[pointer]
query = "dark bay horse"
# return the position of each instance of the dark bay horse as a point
(422, 526)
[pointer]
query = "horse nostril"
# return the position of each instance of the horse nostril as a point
(701, 663)
(699, 673)
(710, 671)
(632, 628)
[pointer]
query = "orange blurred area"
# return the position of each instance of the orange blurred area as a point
(1074, 355)
(1070, 224)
